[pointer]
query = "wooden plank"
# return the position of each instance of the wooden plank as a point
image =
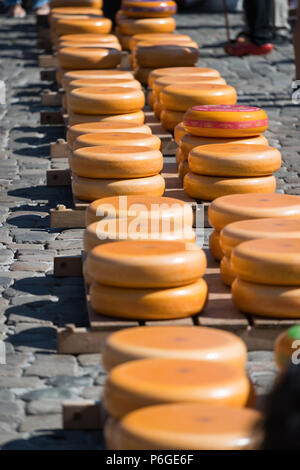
(52, 118)
(61, 217)
(58, 177)
(66, 266)
(51, 98)
(72, 340)
(48, 75)
(108, 324)
(42, 20)
(59, 149)
(47, 61)
(83, 414)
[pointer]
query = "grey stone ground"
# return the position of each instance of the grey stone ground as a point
(35, 380)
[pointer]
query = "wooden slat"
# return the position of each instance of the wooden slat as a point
(52, 118)
(83, 414)
(72, 340)
(62, 217)
(59, 149)
(66, 266)
(108, 324)
(58, 177)
(48, 75)
(47, 61)
(51, 98)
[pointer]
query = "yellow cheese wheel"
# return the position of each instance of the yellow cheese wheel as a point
(181, 342)
(156, 209)
(268, 261)
(151, 9)
(157, 108)
(156, 55)
(183, 169)
(76, 3)
(179, 133)
(103, 128)
(106, 100)
(209, 188)
(160, 83)
(149, 304)
(119, 162)
(286, 346)
(158, 37)
(227, 273)
(150, 99)
(148, 382)
(222, 120)
(89, 38)
(234, 160)
(54, 19)
(118, 138)
(107, 231)
(147, 25)
(214, 245)
(170, 119)
(179, 156)
(136, 118)
(109, 82)
(107, 45)
(266, 300)
(238, 232)
(189, 71)
(189, 141)
(237, 207)
(142, 74)
(124, 41)
(70, 11)
(98, 25)
(72, 58)
(181, 98)
(152, 264)
(100, 74)
(185, 426)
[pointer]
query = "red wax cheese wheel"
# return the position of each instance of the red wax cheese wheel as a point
(266, 300)
(237, 207)
(181, 98)
(238, 232)
(152, 9)
(155, 55)
(147, 382)
(225, 121)
(234, 160)
(90, 189)
(185, 426)
(100, 74)
(165, 209)
(190, 71)
(170, 119)
(98, 25)
(118, 138)
(162, 82)
(108, 161)
(106, 100)
(152, 264)
(179, 133)
(180, 342)
(76, 3)
(268, 261)
(227, 273)
(72, 58)
(209, 188)
(137, 118)
(214, 245)
(287, 345)
(147, 25)
(111, 82)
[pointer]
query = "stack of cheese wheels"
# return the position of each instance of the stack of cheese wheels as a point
(76, 3)
(236, 207)
(238, 232)
(147, 280)
(287, 345)
(185, 426)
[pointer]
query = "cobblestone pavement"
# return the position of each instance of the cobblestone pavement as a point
(35, 380)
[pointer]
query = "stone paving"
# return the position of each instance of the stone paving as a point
(35, 381)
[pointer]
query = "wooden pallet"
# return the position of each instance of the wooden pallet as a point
(48, 61)
(52, 98)
(83, 414)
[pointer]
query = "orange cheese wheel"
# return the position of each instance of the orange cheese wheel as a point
(266, 300)
(214, 245)
(136, 118)
(222, 120)
(238, 232)
(152, 264)
(124, 41)
(150, 99)
(234, 160)
(157, 108)
(107, 45)
(183, 169)
(118, 138)
(149, 304)
(156, 55)
(142, 74)
(179, 133)
(162, 82)
(157, 209)
(148, 382)
(189, 141)
(147, 25)
(189, 71)
(227, 273)
(72, 58)
(151, 9)
(111, 82)
(119, 162)
(158, 38)
(76, 3)
(71, 11)
(106, 100)
(88, 38)
(100, 74)
(98, 25)
(107, 231)
(268, 261)
(209, 188)
(185, 426)
(181, 98)
(170, 119)
(90, 189)
(179, 156)
(237, 207)
(180, 342)
(103, 128)
(284, 347)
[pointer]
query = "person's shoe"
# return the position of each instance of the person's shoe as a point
(42, 11)
(16, 11)
(281, 40)
(240, 49)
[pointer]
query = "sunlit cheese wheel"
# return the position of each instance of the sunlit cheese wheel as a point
(158, 37)
(153, 264)
(158, 209)
(237, 207)
(72, 58)
(185, 426)
(89, 38)
(76, 3)
(189, 141)
(152, 9)
(266, 300)
(142, 74)
(147, 25)
(268, 261)
(100, 74)
(110, 82)
(234, 160)
(106, 100)
(222, 120)
(189, 71)
(179, 133)
(160, 83)
(183, 169)
(107, 231)
(98, 25)
(214, 245)
(155, 55)
(90, 189)
(209, 188)
(107, 45)
(157, 108)
(103, 128)
(170, 119)
(181, 98)
(120, 139)
(180, 342)
(73, 11)
(137, 118)
(227, 273)
(150, 99)
(287, 345)
(238, 232)
(124, 41)
(149, 304)
(119, 162)
(179, 156)
(148, 382)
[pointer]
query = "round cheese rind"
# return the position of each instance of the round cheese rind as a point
(170, 119)
(146, 264)
(111, 82)
(124, 41)
(179, 156)
(137, 118)
(284, 347)
(150, 99)
(179, 133)
(214, 245)
(209, 188)
(147, 25)
(227, 273)
(88, 38)
(190, 71)
(266, 300)
(142, 74)
(158, 38)
(100, 74)
(162, 82)
(72, 58)
(150, 55)
(76, 3)
(274, 261)
(118, 138)
(151, 9)
(181, 342)
(98, 25)
(183, 169)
